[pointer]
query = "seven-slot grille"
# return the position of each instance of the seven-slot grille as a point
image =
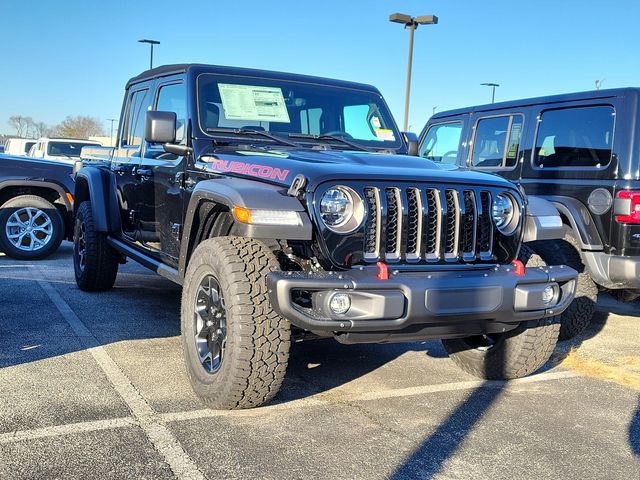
(417, 224)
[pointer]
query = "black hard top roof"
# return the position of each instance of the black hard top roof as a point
(165, 70)
(567, 97)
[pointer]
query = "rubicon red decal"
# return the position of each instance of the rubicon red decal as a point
(255, 170)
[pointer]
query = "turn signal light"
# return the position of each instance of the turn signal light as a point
(627, 207)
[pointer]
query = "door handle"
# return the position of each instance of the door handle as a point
(143, 172)
(118, 168)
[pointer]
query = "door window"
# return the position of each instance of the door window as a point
(173, 98)
(575, 137)
(442, 143)
(497, 142)
(133, 132)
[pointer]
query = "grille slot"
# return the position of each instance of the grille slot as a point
(416, 224)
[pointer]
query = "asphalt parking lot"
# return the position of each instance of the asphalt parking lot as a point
(92, 385)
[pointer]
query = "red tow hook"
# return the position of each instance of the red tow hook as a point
(518, 267)
(383, 271)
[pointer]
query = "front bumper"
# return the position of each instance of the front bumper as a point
(420, 305)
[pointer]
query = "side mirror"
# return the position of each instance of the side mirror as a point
(412, 143)
(160, 127)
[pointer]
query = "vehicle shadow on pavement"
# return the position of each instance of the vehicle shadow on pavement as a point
(634, 432)
(427, 460)
(317, 366)
(32, 329)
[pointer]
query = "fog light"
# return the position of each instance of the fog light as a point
(340, 303)
(548, 294)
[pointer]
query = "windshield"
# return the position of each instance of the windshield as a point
(66, 149)
(294, 108)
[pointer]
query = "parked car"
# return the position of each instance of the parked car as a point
(36, 206)
(65, 150)
(18, 146)
(580, 152)
(285, 207)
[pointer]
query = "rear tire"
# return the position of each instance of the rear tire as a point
(95, 263)
(31, 228)
(625, 295)
(509, 355)
(235, 347)
(577, 317)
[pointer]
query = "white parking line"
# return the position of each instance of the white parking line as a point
(68, 429)
(160, 436)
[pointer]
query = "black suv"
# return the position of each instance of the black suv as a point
(579, 151)
(282, 205)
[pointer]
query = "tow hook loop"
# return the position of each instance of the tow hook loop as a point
(383, 271)
(518, 267)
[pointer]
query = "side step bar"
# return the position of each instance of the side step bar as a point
(145, 260)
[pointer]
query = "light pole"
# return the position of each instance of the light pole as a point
(493, 93)
(411, 23)
(152, 43)
(112, 120)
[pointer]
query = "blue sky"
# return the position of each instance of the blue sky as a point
(73, 57)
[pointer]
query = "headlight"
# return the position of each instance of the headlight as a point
(341, 209)
(505, 213)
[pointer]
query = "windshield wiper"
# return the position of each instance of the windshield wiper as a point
(248, 131)
(310, 136)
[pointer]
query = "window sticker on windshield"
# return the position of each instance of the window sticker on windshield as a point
(253, 103)
(376, 122)
(384, 134)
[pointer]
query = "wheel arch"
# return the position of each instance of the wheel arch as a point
(50, 191)
(576, 215)
(98, 183)
(212, 201)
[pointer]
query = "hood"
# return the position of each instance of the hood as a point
(33, 168)
(280, 167)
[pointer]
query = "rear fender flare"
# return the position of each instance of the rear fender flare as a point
(99, 186)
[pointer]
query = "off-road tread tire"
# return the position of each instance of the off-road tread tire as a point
(517, 354)
(578, 315)
(36, 201)
(258, 339)
(102, 261)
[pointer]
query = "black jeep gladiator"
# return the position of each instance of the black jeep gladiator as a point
(579, 151)
(285, 207)
(35, 206)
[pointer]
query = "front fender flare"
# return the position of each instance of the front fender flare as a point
(232, 192)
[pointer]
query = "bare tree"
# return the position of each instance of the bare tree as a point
(40, 129)
(79, 127)
(20, 123)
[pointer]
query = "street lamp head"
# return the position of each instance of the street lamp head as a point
(401, 18)
(426, 20)
(490, 84)
(152, 42)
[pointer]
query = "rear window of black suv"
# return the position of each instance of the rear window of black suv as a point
(575, 137)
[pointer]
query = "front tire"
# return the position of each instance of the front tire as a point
(509, 355)
(235, 347)
(31, 228)
(95, 263)
(578, 315)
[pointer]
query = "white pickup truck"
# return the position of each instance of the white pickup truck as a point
(66, 150)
